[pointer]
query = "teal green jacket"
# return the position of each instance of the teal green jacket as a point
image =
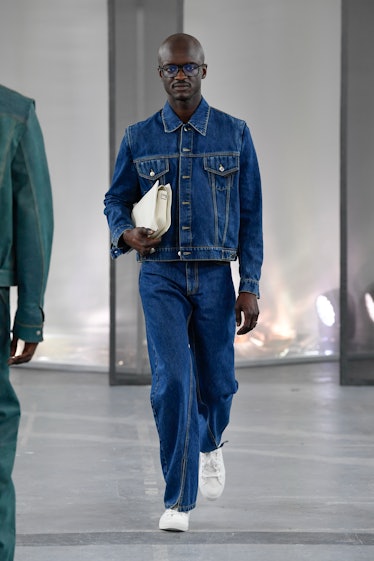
(26, 215)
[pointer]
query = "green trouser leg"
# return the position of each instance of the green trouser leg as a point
(9, 421)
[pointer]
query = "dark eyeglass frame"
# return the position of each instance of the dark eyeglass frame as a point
(190, 69)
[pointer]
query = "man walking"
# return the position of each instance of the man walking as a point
(185, 282)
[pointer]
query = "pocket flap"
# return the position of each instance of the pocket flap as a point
(221, 165)
(152, 169)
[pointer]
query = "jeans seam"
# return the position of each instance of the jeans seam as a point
(156, 376)
(187, 440)
(198, 392)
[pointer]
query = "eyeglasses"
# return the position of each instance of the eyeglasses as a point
(171, 70)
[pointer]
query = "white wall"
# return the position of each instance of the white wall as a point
(276, 63)
(56, 52)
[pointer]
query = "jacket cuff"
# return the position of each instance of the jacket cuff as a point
(249, 285)
(28, 333)
(28, 324)
(116, 250)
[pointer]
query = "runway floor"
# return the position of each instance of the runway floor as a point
(299, 461)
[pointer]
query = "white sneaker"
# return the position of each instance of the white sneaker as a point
(212, 474)
(174, 521)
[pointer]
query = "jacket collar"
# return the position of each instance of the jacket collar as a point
(199, 120)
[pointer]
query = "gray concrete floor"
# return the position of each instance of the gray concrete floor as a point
(300, 472)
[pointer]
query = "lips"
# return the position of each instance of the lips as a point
(181, 86)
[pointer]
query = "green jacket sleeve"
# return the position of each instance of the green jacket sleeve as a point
(32, 229)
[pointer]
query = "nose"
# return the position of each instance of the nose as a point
(181, 75)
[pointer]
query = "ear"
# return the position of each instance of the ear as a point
(204, 71)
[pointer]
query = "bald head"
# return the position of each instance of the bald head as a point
(181, 69)
(180, 42)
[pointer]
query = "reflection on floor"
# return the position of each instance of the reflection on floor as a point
(299, 461)
(89, 348)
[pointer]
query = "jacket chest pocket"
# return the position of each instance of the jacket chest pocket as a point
(152, 169)
(221, 170)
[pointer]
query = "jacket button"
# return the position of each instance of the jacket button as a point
(221, 168)
(152, 173)
(179, 253)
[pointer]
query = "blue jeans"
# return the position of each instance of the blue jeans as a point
(190, 324)
(9, 421)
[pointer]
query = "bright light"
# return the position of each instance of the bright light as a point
(369, 302)
(325, 310)
(257, 342)
(282, 331)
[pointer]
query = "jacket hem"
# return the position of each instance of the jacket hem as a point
(191, 254)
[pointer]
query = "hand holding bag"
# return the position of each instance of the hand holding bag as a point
(154, 210)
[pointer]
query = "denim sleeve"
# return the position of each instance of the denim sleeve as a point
(250, 233)
(33, 229)
(123, 193)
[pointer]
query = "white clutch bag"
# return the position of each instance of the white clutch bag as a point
(154, 210)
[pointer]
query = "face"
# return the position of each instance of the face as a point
(181, 87)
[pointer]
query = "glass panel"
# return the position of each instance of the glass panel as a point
(57, 53)
(357, 349)
(131, 348)
(279, 69)
(136, 31)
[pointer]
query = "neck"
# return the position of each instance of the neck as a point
(184, 109)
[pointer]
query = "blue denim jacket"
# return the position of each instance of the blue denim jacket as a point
(211, 165)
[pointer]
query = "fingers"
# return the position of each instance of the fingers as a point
(141, 240)
(249, 323)
(247, 326)
(148, 242)
(147, 232)
(246, 305)
(13, 346)
(26, 355)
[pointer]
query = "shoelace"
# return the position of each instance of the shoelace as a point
(211, 467)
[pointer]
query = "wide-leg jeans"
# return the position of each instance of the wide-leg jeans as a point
(190, 324)
(9, 421)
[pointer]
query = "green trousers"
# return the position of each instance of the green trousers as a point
(9, 421)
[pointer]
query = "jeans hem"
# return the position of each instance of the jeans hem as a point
(181, 508)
